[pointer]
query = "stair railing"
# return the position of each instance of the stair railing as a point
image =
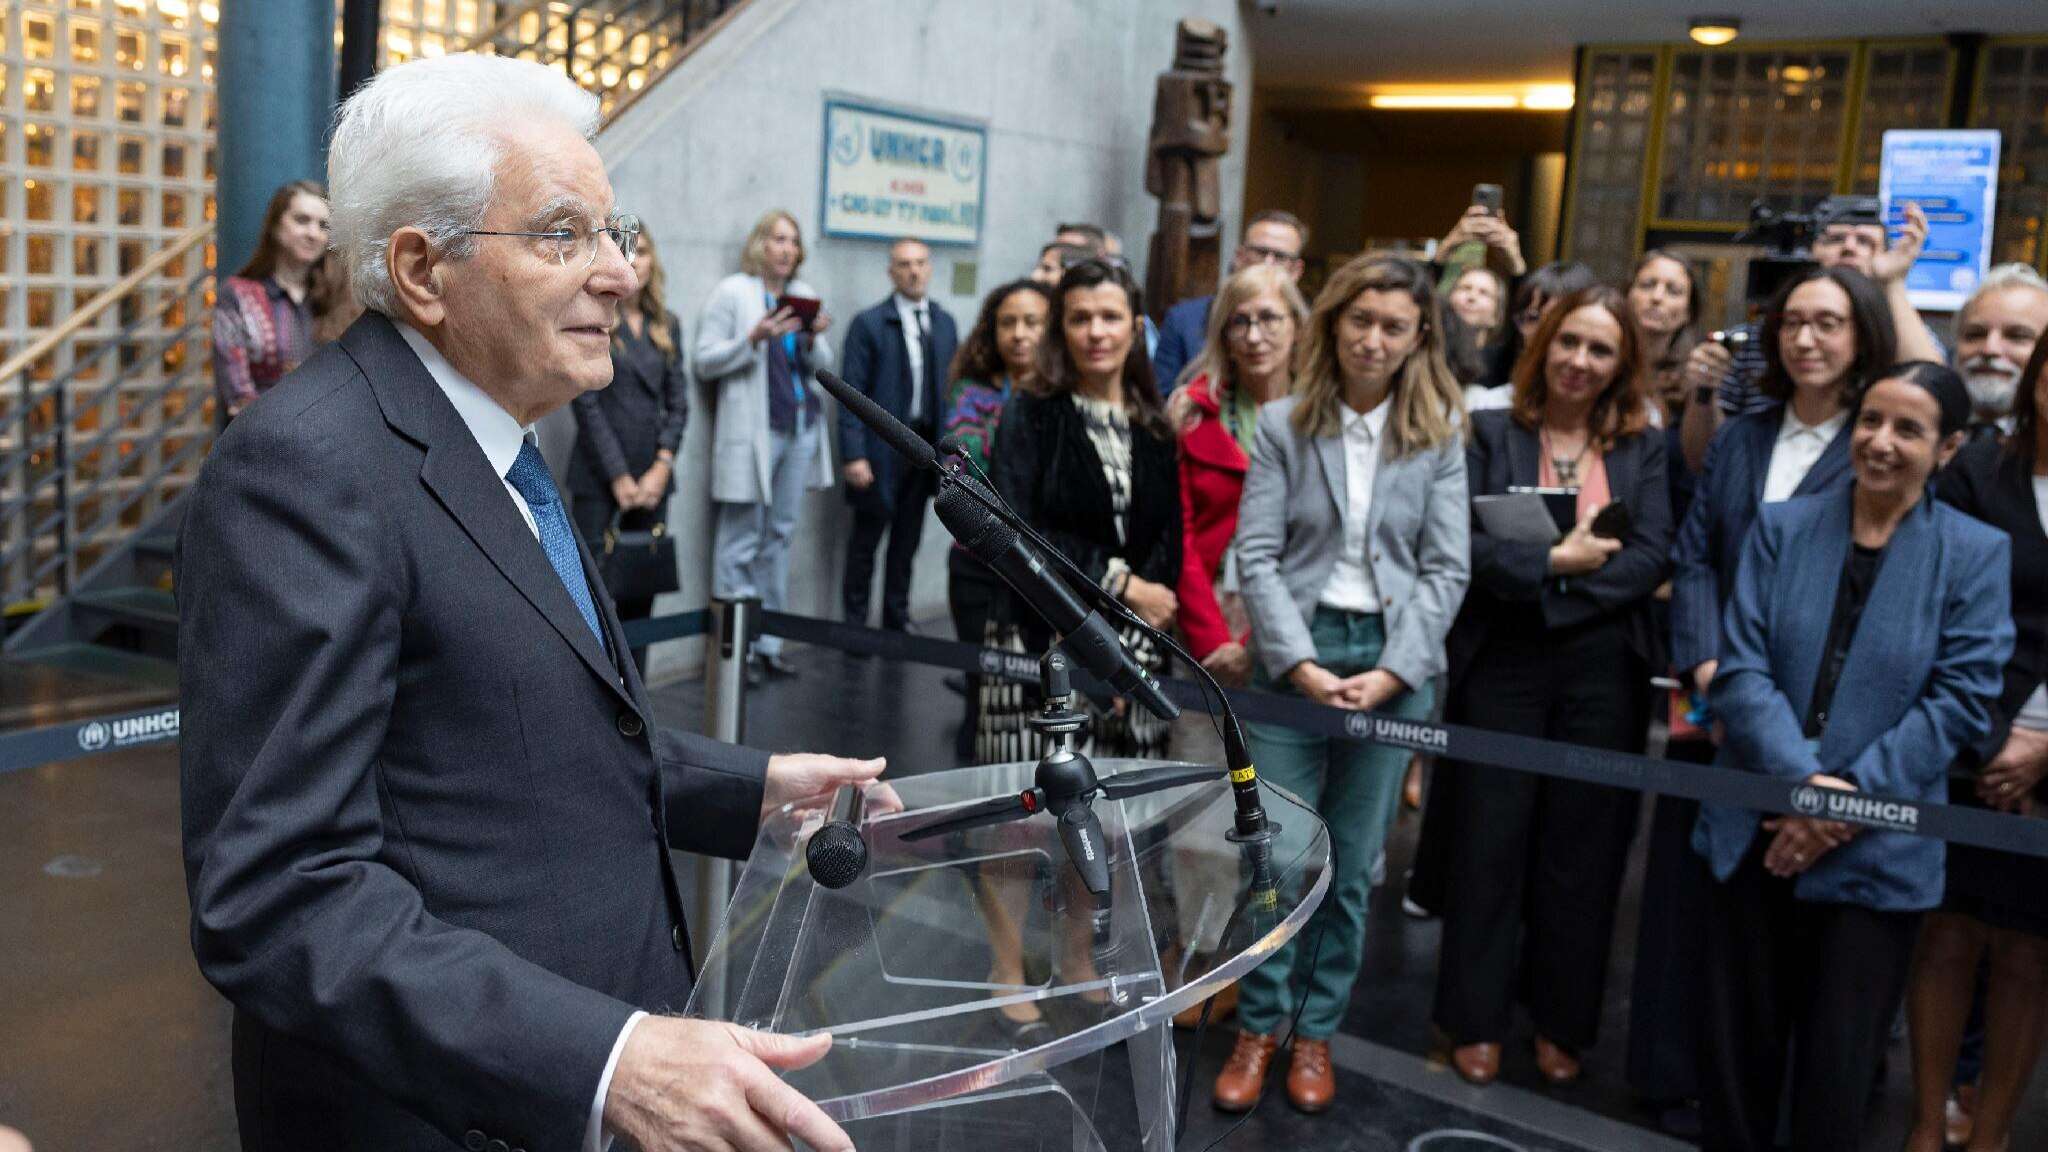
(89, 452)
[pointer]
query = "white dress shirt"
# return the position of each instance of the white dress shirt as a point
(1797, 450)
(500, 436)
(1352, 587)
(911, 312)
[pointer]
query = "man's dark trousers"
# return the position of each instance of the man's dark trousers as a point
(904, 522)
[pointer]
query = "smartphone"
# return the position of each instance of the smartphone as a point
(804, 308)
(1613, 521)
(1487, 196)
(1732, 338)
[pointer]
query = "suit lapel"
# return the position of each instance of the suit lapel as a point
(1330, 455)
(1523, 467)
(1763, 439)
(1621, 468)
(461, 478)
(1832, 465)
(1893, 621)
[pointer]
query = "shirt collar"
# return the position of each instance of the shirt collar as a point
(1374, 421)
(1794, 428)
(908, 307)
(496, 432)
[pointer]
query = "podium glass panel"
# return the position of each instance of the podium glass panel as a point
(905, 966)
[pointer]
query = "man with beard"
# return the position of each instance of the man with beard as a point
(1995, 334)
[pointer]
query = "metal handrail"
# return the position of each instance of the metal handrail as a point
(54, 339)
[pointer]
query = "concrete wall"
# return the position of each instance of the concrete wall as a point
(1065, 87)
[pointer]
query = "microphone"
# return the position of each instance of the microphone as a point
(907, 444)
(837, 854)
(1085, 635)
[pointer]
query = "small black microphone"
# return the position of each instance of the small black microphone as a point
(837, 854)
(910, 445)
(1083, 633)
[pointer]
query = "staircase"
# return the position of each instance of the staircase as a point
(105, 419)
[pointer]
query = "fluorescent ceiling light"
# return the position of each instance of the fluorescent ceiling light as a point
(1714, 31)
(1421, 100)
(1480, 98)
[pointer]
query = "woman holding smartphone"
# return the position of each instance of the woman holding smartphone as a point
(1554, 641)
(760, 359)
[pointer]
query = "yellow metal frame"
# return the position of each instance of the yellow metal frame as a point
(1667, 55)
(1977, 103)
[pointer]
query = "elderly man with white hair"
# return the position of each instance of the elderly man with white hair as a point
(427, 814)
(1995, 331)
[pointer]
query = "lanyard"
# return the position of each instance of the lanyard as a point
(788, 353)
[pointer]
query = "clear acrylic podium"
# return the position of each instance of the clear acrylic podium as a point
(898, 966)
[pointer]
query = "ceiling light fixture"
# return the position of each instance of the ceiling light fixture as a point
(1714, 31)
(1475, 98)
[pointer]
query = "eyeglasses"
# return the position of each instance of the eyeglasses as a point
(1073, 256)
(575, 243)
(1823, 324)
(1270, 325)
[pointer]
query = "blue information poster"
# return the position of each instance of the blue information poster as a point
(1953, 176)
(890, 173)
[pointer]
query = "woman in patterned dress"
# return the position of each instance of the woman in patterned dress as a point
(263, 319)
(1087, 458)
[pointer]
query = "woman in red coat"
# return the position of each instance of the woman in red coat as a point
(1246, 361)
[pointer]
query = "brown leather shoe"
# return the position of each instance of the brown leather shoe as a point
(1244, 1074)
(1477, 1063)
(1557, 1065)
(1311, 1082)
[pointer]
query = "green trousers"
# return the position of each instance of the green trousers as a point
(1354, 787)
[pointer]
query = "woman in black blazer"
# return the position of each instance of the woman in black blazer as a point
(1996, 903)
(1554, 641)
(1086, 458)
(626, 440)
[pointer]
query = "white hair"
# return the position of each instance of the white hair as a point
(419, 146)
(2001, 277)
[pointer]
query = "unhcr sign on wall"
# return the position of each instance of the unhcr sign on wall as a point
(890, 173)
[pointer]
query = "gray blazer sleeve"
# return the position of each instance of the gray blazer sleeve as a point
(1283, 636)
(1415, 649)
(722, 345)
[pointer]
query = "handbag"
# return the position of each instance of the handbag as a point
(637, 561)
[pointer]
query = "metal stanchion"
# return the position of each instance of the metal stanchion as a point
(733, 623)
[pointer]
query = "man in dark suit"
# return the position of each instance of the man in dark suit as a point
(427, 813)
(1270, 237)
(897, 353)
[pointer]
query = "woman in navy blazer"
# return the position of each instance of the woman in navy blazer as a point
(1825, 335)
(1552, 641)
(1812, 922)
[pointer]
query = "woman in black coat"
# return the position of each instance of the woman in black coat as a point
(626, 440)
(1995, 907)
(1553, 641)
(1088, 460)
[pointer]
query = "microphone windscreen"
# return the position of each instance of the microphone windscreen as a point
(893, 432)
(836, 855)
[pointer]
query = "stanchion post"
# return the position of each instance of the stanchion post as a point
(725, 718)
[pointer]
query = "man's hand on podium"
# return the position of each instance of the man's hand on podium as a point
(701, 1085)
(802, 775)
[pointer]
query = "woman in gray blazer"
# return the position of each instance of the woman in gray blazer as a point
(759, 361)
(1352, 561)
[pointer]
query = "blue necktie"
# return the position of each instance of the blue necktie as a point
(529, 477)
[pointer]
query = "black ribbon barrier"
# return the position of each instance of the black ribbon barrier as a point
(1705, 783)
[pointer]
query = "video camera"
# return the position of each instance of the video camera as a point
(1788, 238)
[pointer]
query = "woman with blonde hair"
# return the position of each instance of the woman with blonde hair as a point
(1556, 641)
(623, 468)
(1351, 546)
(759, 359)
(1246, 360)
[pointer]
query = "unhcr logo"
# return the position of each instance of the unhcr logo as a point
(1008, 665)
(128, 731)
(1807, 800)
(93, 737)
(1410, 734)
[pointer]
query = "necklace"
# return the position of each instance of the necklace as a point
(1566, 467)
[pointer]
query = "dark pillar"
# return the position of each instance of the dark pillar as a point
(361, 22)
(276, 95)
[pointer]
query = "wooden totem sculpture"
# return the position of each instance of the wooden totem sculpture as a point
(1190, 134)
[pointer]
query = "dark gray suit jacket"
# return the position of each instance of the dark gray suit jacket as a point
(426, 816)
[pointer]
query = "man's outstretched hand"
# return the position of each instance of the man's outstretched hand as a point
(802, 775)
(705, 1086)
